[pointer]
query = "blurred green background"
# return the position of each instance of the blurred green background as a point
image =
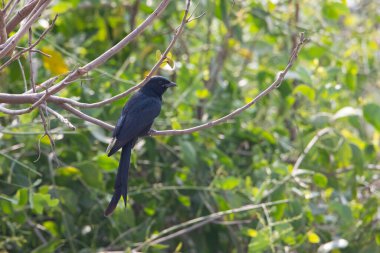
(329, 99)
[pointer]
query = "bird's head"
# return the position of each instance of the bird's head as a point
(157, 85)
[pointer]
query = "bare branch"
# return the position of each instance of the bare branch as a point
(20, 15)
(142, 83)
(12, 41)
(11, 5)
(86, 117)
(106, 55)
(59, 117)
(3, 32)
(30, 47)
(238, 111)
(195, 223)
(74, 75)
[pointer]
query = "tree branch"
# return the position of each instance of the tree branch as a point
(238, 111)
(210, 124)
(29, 48)
(200, 221)
(86, 117)
(3, 33)
(12, 41)
(74, 75)
(20, 15)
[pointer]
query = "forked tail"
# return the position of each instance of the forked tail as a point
(121, 183)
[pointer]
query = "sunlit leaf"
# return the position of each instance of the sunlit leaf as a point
(313, 237)
(320, 180)
(185, 200)
(202, 94)
(41, 201)
(306, 91)
(252, 232)
(55, 63)
(371, 114)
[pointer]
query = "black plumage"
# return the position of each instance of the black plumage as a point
(135, 121)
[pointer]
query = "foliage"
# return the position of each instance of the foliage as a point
(223, 60)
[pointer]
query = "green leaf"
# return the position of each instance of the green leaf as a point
(260, 243)
(22, 195)
(52, 227)
(41, 201)
(188, 152)
(306, 91)
(107, 163)
(185, 200)
(371, 114)
(228, 183)
(51, 246)
(333, 10)
(320, 180)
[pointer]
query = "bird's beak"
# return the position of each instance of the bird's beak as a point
(171, 84)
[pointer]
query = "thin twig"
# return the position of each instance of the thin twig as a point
(3, 32)
(59, 117)
(86, 117)
(30, 47)
(152, 71)
(238, 111)
(308, 147)
(74, 75)
(10, 44)
(20, 15)
(188, 225)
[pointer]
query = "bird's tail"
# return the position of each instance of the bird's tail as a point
(121, 183)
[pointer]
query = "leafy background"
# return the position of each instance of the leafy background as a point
(223, 59)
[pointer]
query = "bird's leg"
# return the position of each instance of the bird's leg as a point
(150, 132)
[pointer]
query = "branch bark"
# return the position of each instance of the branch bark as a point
(39, 98)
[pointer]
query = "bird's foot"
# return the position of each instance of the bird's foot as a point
(151, 132)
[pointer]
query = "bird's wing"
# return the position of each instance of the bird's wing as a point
(136, 118)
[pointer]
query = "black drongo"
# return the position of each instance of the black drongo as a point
(135, 121)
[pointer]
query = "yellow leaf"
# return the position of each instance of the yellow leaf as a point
(169, 56)
(252, 232)
(175, 124)
(246, 53)
(178, 248)
(55, 64)
(171, 63)
(163, 64)
(45, 140)
(170, 60)
(313, 237)
(204, 93)
(68, 171)
(158, 55)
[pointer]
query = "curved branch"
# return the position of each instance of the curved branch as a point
(12, 41)
(42, 97)
(20, 15)
(106, 55)
(16, 56)
(210, 124)
(233, 114)
(178, 32)
(86, 117)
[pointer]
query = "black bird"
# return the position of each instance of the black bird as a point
(135, 121)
